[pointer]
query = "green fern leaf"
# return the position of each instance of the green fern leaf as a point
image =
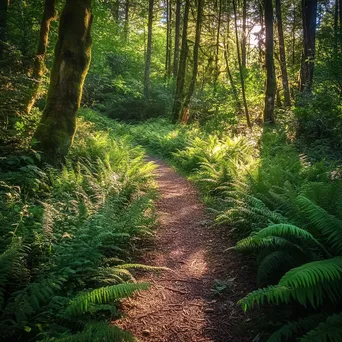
(103, 295)
(328, 331)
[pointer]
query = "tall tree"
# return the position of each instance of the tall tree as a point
(148, 51)
(270, 72)
(217, 50)
(49, 14)
(177, 103)
(244, 35)
(57, 127)
(168, 38)
(185, 110)
(3, 24)
(309, 16)
(242, 77)
(126, 24)
(282, 55)
(177, 36)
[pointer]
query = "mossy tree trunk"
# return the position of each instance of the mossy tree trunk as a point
(57, 127)
(39, 60)
(270, 72)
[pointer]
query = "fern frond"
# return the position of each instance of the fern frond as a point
(80, 303)
(328, 331)
(271, 294)
(327, 224)
(288, 331)
(98, 332)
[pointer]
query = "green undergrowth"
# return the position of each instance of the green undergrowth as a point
(285, 205)
(67, 236)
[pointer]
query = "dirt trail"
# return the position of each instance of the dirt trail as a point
(181, 305)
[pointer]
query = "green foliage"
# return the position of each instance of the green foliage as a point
(66, 232)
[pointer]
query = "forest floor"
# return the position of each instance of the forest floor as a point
(196, 299)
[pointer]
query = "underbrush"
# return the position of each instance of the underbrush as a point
(287, 207)
(66, 236)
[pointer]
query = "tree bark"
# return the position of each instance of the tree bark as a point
(282, 54)
(168, 39)
(39, 60)
(217, 70)
(57, 127)
(177, 104)
(186, 105)
(3, 25)
(270, 81)
(126, 25)
(242, 79)
(309, 15)
(177, 36)
(244, 35)
(148, 52)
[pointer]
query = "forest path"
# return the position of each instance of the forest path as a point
(180, 306)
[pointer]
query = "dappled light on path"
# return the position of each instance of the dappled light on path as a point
(179, 306)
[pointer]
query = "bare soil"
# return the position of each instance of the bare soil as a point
(187, 302)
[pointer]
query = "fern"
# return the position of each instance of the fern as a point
(80, 304)
(327, 224)
(328, 331)
(288, 331)
(97, 332)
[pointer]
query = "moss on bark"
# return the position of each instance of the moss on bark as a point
(56, 130)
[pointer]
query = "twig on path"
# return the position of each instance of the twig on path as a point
(175, 290)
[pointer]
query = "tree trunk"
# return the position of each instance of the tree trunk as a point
(244, 35)
(270, 81)
(57, 127)
(309, 14)
(177, 104)
(39, 60)
(283, 67)
(177, 35)
(242, 79)
(168, 39)
(217, 70)
(3, 25)
(148, 52)
(126, 25)
(186, 105)
(293, 32)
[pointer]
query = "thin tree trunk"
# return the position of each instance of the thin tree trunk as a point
(168, 38)
(185, 110)
(177, 104)
(177, 36)
(309, 15)
(39, 60)
(217, 70)
(244, 35)
(148, 52)
(294, 34)
(271, 81)
(57, 127)
(240, 68)
(3, 25)
(340, 17)
(283, 67)
(126, 25)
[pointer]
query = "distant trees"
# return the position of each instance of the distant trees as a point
(57, 127)
(148, 51)
(3, 23)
